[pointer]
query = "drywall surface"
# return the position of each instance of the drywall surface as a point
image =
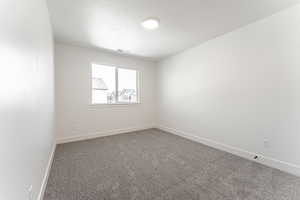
(76, 117)
(26, 97)
(241, 89)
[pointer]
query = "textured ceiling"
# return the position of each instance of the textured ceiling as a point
(115, 24)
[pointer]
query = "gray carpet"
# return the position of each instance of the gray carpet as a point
(156, 165)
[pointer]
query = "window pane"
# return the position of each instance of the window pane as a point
(127, 85)
(103, 84)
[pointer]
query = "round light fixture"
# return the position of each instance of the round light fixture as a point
(150, 23)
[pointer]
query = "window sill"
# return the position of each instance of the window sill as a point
(113, 105)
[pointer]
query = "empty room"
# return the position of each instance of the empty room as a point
(150, 100)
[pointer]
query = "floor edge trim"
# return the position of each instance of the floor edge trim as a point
(47, 172)
(268, 161)
(101, 134)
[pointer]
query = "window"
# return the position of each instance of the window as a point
(113, 85)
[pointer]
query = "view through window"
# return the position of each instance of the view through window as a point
(113, 85)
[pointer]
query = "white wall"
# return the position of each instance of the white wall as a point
(76, 119)
(26, 97)
(239, 89)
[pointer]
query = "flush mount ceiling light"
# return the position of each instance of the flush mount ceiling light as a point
(150, 23)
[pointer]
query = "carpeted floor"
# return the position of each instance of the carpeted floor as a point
(156, 165)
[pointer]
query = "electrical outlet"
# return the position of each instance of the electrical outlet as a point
(30, 192)
(266, 144)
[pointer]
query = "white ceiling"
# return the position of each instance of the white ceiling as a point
(115, 24)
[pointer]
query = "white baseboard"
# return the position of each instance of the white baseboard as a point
(101, 134)
(47, 172)
(271, 162)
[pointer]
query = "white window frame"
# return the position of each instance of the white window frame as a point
(138, 76)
